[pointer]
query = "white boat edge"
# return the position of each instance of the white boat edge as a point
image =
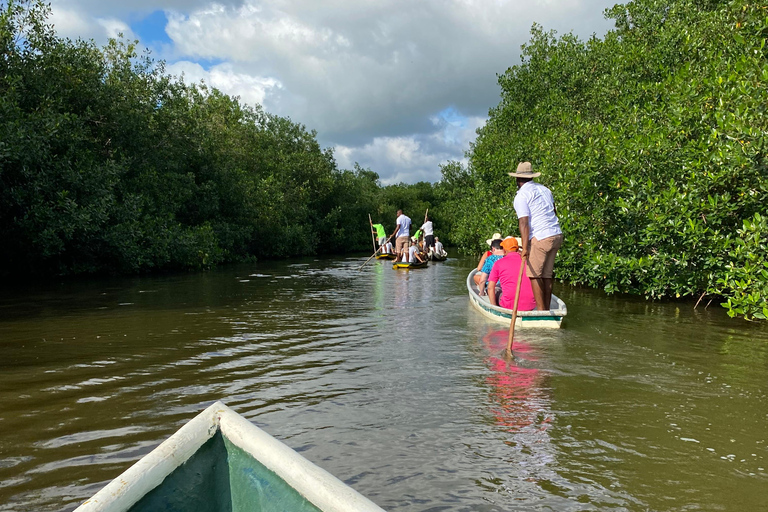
(540, 319)
(321, 488)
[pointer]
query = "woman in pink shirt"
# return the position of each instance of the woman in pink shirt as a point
(505, 272)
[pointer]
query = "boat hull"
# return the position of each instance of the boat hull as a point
(409, 266)
(551, 319)
(221, 461)
(385, 256)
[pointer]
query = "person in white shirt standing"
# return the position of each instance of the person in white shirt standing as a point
(429, 235)
(403, 232)
(540, 231)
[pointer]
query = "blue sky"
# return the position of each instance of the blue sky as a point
(395, 85)
(150, 29)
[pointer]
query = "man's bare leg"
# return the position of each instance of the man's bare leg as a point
(537, 285)
(547, 285)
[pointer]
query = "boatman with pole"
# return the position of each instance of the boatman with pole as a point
(381, 235)
(403, 234)
(540, 232)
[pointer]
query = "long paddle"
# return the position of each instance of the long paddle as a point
(508, 352)
(373, 240)
(374, 253)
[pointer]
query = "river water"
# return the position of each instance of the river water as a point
(392, 382)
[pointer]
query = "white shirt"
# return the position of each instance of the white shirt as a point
(439, 246)
(412, 254)
(403, 226)
(427, 228)
(535, 201)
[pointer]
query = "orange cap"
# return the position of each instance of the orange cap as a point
(509, 244)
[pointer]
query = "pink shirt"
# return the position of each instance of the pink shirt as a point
(505, 272)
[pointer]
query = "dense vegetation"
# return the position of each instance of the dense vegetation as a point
(107, 164)
(653, 140)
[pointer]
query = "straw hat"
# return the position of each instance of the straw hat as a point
(496, 236)
(525, 170)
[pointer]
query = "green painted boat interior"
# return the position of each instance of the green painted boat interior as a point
(221, 477)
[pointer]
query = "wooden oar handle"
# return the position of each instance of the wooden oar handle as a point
(514, 310)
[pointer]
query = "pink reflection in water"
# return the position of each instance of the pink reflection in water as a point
(521, 398)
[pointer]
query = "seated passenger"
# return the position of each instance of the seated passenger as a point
(505, 272)
(496, 236)
(496, 254)
(439, 250)
(414, 255)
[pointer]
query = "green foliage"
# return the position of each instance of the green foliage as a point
(109, 165)
(653, 141)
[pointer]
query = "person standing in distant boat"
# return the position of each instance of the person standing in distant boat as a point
(539, 230)
(429, 235)
(381, 235)
(402, 234)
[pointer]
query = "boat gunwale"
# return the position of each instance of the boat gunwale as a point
(317, 485)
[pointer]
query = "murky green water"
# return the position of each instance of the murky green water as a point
(390, 381)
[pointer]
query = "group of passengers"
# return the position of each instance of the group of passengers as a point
(409, 249)
(541, 237)
(498, 271)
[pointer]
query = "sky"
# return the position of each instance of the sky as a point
(397, 86)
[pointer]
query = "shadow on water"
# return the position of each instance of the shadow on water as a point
(391, 381)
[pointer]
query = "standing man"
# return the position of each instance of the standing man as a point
(540, 231)
(381, 234)
(429, 235)
(403, 234)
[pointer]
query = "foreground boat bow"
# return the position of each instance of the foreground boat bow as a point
(220, 461)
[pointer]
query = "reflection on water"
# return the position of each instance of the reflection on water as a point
(392, 382)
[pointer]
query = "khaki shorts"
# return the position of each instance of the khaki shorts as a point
(401, 244)
(541, 261)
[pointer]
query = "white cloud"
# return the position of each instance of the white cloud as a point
(114, 28)
(250, 89)
(414, 157)
(368, 76)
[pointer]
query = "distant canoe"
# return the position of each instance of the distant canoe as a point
(548, 319)
(224, 462)
(385, 256)
(436, 257)
(401, 265)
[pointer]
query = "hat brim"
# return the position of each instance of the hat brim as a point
(525, 175)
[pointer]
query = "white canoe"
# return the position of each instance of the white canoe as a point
(548, 319)
(221, 461)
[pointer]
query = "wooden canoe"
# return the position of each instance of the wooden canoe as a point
(401, 265)
(385, 256)
(437, 257)
(548, 319)
(220, 461)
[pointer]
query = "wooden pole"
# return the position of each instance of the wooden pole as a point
(374, 254)
(372, 238)
(508, 352)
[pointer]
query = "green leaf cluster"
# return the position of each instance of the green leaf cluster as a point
(107, 164)
(653, 140)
